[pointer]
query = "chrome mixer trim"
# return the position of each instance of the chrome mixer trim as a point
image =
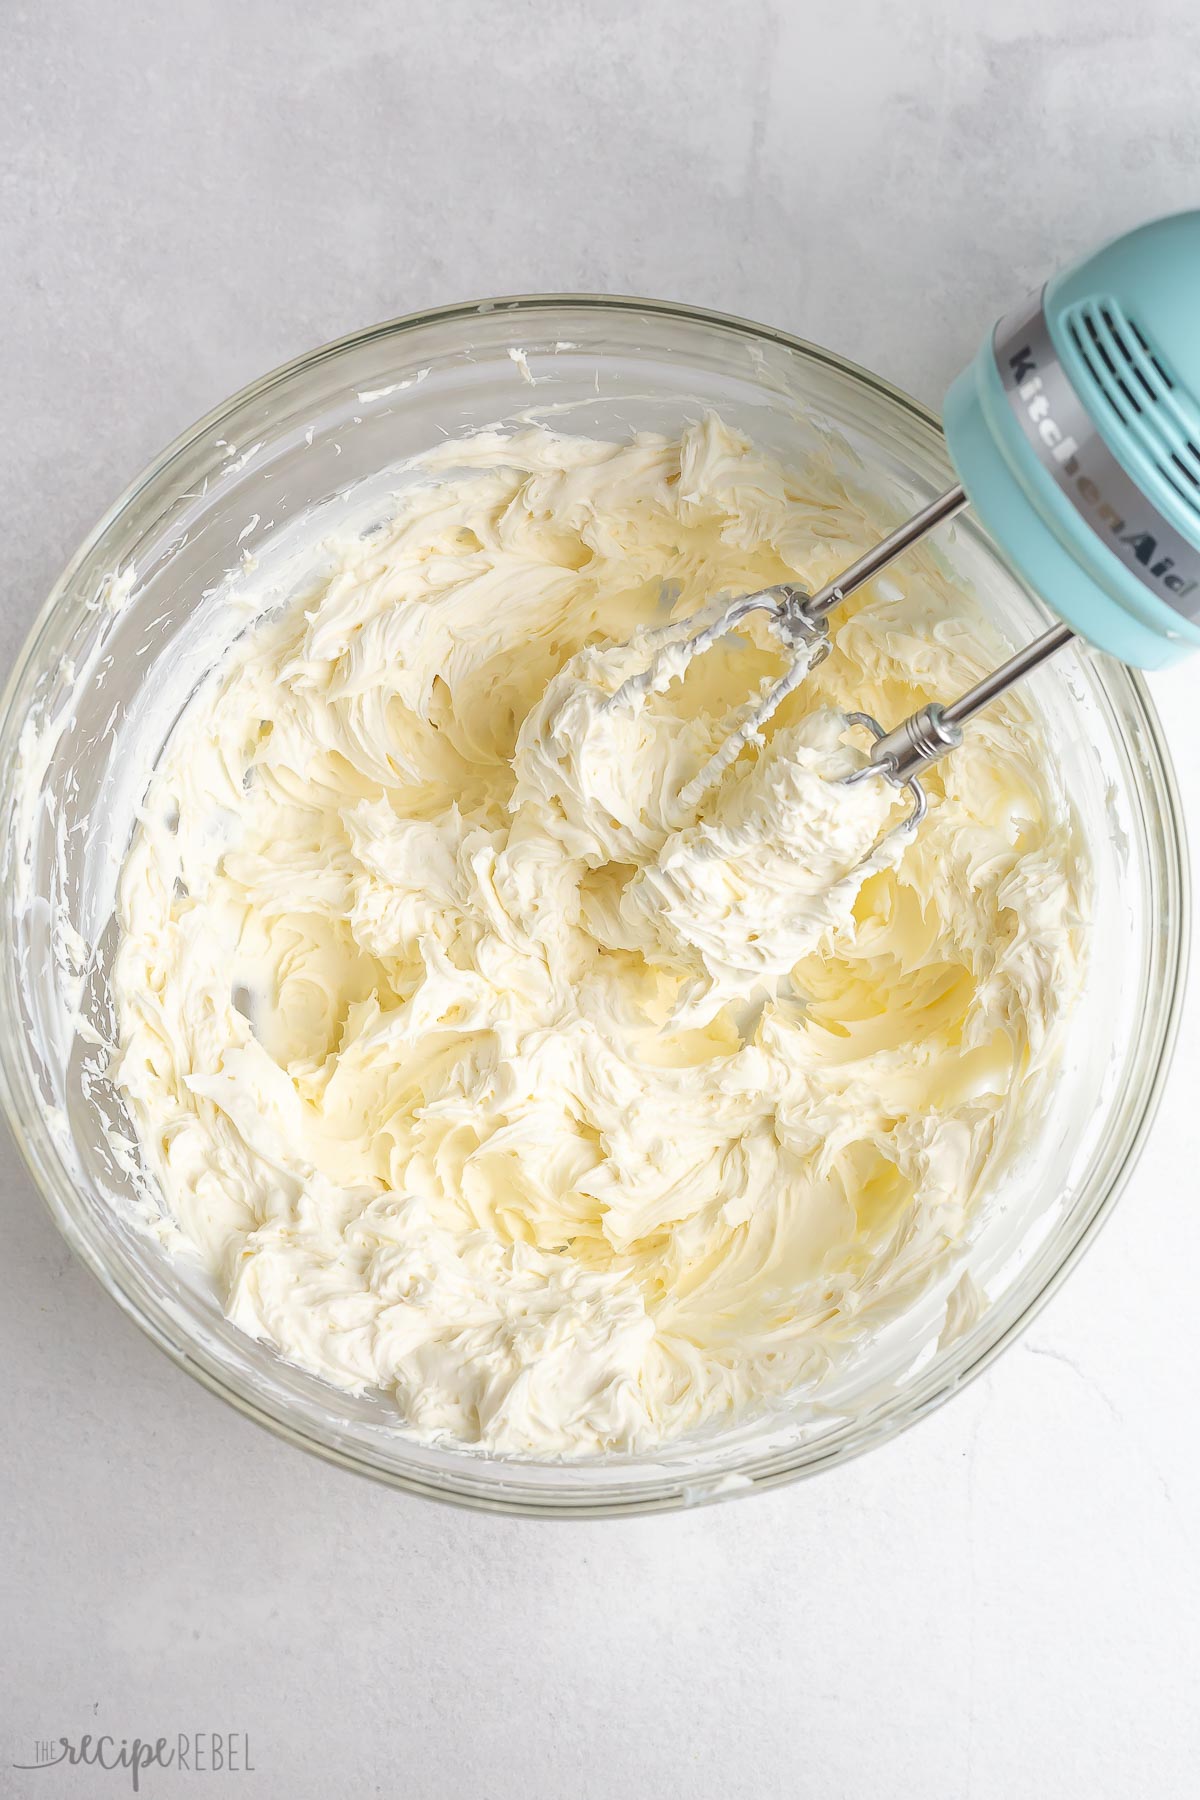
(1067, 444)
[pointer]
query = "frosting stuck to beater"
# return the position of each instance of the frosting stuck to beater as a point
(485, 1062)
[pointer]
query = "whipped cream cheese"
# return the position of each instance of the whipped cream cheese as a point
(488, 1058)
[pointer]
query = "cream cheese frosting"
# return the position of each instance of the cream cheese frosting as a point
(488, 1058)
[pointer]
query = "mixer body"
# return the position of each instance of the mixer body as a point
(1076, 435)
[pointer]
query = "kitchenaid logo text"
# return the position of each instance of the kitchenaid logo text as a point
(1137, 542)
(193, 1753)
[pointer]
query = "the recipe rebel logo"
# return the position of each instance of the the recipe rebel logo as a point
(187, 1752)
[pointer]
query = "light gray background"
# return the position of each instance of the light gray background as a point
(1004, 1602)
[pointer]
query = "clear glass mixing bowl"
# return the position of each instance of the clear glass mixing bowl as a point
(84, 714)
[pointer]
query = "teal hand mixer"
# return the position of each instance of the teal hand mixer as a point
(1076, 436)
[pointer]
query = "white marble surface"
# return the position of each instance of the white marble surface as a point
(1005, 1601)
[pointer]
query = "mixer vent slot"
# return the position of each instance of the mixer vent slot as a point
(1141, 393)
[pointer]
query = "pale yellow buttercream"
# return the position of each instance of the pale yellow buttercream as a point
(479, 1067)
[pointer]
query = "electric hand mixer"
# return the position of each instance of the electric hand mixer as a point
(1076, 435)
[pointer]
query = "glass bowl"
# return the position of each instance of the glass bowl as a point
(147, 586)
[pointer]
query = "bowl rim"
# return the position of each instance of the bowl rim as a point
(24, 1113)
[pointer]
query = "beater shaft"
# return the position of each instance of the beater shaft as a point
(887, 550)
(1000, 680)
(926, 735)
